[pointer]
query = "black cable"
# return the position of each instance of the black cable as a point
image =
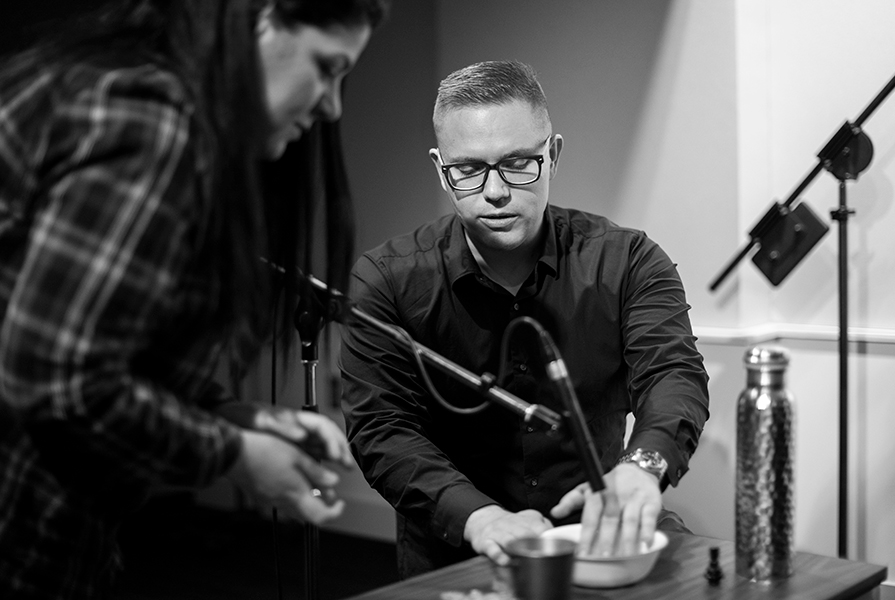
(430, 387)
(505, 342)
(573, 415)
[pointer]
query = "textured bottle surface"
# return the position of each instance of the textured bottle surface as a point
(764, 477)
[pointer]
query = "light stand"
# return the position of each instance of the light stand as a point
(785, 236)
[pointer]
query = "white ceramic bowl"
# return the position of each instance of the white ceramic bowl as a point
(612, 571)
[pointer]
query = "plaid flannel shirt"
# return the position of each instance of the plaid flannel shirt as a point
(104, 388)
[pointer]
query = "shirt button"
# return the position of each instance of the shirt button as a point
(516, 306)
(533, 483)
(529, 429)
(523, 367)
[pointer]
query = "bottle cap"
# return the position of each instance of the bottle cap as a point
(766, 357)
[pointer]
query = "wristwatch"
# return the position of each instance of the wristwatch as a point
(648, 460)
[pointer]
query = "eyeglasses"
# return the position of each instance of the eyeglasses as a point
(516, 170)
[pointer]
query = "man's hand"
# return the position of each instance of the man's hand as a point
(282, 475)
(490, 528)
(617, 520)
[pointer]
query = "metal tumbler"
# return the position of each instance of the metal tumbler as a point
(541, 568)
(764, 476)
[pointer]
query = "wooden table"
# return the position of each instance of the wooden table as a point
(679, 574)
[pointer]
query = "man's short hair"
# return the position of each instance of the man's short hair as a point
(489, 83)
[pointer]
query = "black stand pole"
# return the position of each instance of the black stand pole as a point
(309, 322)
(841, 215)
(847, 153)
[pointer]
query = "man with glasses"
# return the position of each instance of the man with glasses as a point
(468, 477)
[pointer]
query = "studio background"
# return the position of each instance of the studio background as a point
(686, 119)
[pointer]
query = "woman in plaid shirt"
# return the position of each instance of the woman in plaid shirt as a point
(131, 225)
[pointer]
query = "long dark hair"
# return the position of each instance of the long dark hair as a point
(211, 45)
(311, 169)
(312, 172)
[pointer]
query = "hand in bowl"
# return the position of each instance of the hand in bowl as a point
(618, 520)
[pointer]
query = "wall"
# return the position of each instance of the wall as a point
(388, 126)
(796, 83)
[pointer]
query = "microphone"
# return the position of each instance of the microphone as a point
(324, 302)
(336, 305)
(559, 375)
(341, 309)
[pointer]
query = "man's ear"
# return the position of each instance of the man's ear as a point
(555, 151)
(436, 160)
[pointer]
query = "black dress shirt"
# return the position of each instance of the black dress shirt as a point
(614, 304)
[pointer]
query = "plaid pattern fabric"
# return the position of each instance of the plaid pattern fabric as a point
(104, 390)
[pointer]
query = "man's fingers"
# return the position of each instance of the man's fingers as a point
(495, 552)
(629, 534)
(648, 517)
(491, 528)
(607, 530)
(590, 520)
(569, 503)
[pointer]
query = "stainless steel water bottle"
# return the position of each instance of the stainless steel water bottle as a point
(764, 476)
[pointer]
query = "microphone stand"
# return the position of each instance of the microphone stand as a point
(309, 323)
(340, 309)
(847, 153)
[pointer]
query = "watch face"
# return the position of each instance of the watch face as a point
(652, 461)
(649, 461)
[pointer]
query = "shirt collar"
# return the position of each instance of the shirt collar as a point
(461, 263)
(550, 254)
(458, 258)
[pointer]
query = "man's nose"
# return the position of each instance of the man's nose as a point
(495, 187)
